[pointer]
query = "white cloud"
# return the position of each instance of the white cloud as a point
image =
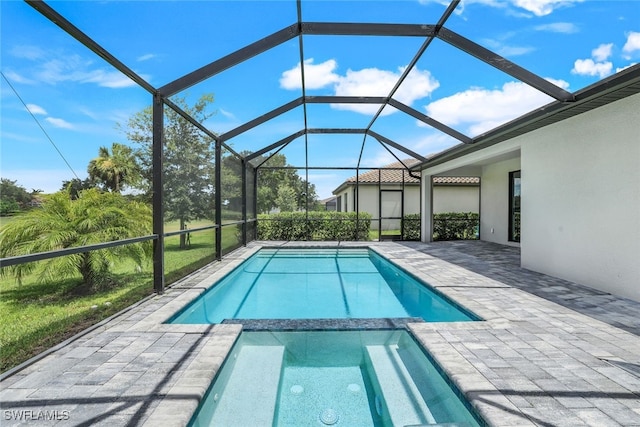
(28, 52)
(500, 47)
(433, 143)
(55, 67)
(316, 76)
(602, 52)
(376, 82)
(633, 42)
(543, 7)
(559, 27)
(89, 113)
(145, 57)
(111, 79)
(380, 158)
(227, 114)
(477, 110)
(537, 7)
(18, 78)
(59, 123)
(588, 67)
(36, 109)
(510, 51)
(460, 9)
(624, 68)
(365, 82)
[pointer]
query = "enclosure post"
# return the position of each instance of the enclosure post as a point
(356, 204)
(244, 202)
(426, 211)
(255, 197)
(218, 199)
(156, 185)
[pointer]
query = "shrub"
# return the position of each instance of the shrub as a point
(315, 225)
(411, 228)
(455, 226)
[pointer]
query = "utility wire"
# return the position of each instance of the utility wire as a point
(39, 125)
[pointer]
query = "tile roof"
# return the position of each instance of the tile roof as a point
(471, 180)
(388, 175)
(392, 174)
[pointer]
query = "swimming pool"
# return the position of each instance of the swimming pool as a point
(317, 284)
(342, 378)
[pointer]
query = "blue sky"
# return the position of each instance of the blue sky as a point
(79, 100)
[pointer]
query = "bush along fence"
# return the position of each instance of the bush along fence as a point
(411, 227)
(456, 226)
(314, 226)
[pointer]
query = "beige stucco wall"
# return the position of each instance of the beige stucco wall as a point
(369, 200)
(581, 198)
(454, 198)
(494, 187)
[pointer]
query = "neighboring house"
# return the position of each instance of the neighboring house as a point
(456, 194)
(384, 193)
(329, 203)
(389, 192)
(563, 183)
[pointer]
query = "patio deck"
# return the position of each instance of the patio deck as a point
(549, 352)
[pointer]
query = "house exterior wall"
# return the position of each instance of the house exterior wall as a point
(455, 198)
(581, 199)
(494, 187)
(368, 199)
(580, 202)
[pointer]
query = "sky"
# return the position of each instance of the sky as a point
(60, 102)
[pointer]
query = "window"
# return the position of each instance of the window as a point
(346, 205)
(514, 206)
(339, 204)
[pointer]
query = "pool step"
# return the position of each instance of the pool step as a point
(250, 396)
(401, 403)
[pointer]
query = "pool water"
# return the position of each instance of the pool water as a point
(341, 378)
(319, 283)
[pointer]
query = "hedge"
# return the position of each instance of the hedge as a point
(456, 226)
(314, 226)
(411, 229)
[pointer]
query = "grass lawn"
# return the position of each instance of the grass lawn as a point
(373, 234)
(36, 316)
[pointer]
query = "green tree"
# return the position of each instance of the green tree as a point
(270, 179)
(286, 198)
(7, 207)
(74, 186)
(231, 186)
(60, 223)
(13, 197)
(114, 170)
(188, 156)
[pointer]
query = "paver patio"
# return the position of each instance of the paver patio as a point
(548, 352)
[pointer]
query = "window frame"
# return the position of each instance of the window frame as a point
(513, 237)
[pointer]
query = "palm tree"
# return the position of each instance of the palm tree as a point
(61, 222)
(116, 169)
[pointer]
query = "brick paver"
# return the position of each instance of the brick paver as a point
(548, 352)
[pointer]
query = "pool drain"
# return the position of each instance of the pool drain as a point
(329, 416)
(297, 389)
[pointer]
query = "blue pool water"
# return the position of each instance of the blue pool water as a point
(341, 378)
(319, 283)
